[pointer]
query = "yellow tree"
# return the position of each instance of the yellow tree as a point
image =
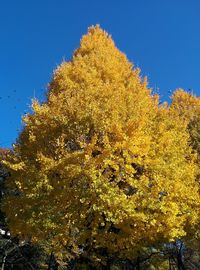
(100, 164)
(187, 105)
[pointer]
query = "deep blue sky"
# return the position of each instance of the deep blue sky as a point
(161, 37)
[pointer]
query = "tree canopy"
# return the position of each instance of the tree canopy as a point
(101, 164)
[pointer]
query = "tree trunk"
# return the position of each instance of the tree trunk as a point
(180, 261)
(138, 263)
(3, 262)
(52, 265)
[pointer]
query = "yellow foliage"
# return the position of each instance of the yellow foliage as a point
(100, 163)
(186, 104)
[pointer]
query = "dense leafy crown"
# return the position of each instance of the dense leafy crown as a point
(100, 163)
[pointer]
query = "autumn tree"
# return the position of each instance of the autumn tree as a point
(100, 166)
(187, 105)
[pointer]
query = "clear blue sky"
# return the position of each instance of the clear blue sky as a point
(161, 37)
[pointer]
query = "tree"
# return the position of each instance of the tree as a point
(187, 105)
(100, 168)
